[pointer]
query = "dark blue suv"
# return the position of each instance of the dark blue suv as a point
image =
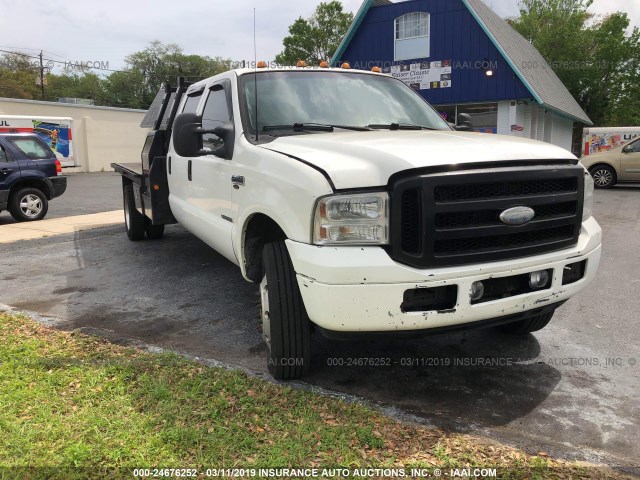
(29, 176)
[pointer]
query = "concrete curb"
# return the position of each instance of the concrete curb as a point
(58, 226)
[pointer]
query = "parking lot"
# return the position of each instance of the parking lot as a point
(569, 389)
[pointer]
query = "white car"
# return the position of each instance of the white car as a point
(358, 210)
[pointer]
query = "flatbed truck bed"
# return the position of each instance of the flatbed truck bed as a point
(147, 179)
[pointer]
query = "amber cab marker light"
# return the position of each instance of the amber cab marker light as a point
(156, 187)
(262, 64)
(301, 63)
(376, 70)
(346, 66)
(324, 65)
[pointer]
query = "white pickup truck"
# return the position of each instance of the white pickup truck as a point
(359, 210)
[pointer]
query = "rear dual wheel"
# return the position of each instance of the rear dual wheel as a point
(137, 224)
(133, 219)
(154, 232)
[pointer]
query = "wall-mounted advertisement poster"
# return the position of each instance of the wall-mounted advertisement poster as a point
(424, 75)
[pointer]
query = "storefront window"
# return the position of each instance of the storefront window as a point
(484, 116)
(447, 112)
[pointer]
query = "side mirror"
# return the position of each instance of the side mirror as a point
(464, 123)
(187, 139)
(226, 134)
(627, 149)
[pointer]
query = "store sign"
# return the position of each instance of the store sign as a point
(424, 75)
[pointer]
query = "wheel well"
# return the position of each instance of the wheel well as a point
(259, 231)
(32, 183)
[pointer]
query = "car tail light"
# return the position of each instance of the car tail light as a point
(58, 167)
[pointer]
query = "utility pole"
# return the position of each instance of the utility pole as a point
(41, 76)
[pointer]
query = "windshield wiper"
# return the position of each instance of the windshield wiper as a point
(313, 127)
(399, 126)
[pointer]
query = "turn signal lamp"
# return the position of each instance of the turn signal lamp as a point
(58, 167)
(345, 65)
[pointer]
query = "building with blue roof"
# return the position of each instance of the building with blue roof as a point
(463, 58)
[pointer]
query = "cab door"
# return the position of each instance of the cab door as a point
(179, 169)
(630, 161)
(210, 187)
(9, 172)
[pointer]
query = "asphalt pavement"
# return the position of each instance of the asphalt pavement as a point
(570, 390)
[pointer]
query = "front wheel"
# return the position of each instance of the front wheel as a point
(28, 205)
(528, 325)
(603, 176)
(285, 324)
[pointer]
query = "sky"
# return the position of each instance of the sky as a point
(104, 33)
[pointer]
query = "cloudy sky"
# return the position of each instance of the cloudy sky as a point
(81, 30)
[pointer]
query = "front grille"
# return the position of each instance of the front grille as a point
(411, 221)
(458, 246)
(460, 193)
(492, 217)
(454, 218)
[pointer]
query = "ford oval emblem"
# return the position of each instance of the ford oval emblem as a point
(517, 215)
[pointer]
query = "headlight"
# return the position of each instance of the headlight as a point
(352, 219)
(587, 209)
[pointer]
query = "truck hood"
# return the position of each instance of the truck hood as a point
(368, 159)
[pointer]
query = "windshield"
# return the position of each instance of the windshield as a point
(332, 98)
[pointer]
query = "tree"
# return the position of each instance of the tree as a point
(161, 63)
(594, 57)
(18, 77)
(133, 87)
(317, 38)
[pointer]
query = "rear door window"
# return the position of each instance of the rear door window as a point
(191, 104)
(3, 155)
(32, 148)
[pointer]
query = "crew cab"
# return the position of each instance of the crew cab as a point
(29, 176)
(358, 210)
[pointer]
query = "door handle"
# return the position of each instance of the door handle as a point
(189, 170)
(169, 165)
(6, 170)
(237, 180)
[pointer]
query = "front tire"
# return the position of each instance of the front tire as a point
(133, 219)
(528, 325)
(604, 176)
(28, 205)
(285, 324)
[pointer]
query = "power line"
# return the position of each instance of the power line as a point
(88, 67)
(70, 62)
